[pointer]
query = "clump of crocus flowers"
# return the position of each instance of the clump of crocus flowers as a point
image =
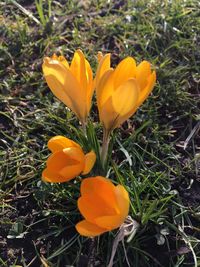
(119, 93)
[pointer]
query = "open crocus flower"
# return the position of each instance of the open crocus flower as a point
(73, 84)
(66, 161)
(122, 90)
(103, 205)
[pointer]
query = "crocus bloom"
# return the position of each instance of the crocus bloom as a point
(73, 84)
(103, 205)
(66, 161)
(122, 90)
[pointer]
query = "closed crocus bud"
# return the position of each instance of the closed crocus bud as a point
(103, 205)
(122, 90)
(71, 84)
(66, 161)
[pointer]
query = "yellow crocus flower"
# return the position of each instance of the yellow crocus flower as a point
(71, 84)
(122, 90)
(66, 161)
(103, 205)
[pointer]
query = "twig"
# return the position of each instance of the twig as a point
(25, 11)
(128, 228)
(193, 132)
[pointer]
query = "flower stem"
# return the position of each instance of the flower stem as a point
(83, 125)
(92, 252)
(105, 144)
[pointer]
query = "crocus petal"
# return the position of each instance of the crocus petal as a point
(63, 60)
(109, 222)
(64, 86)
(99, 56)
(89, 74)
(123, 201)
(59, 142)
(88, 229)
(90, 86)
(81, 69)
(114, 104)
(61, 159)
(105, 88)
(104, 65)
(75, 163)
(112, 222)
(64, 165)
(125, 70)
(71, 171)
(104, 93)
(90, 159)
(88, 207)
(54, 73)
(108, 115)
(147, 90)
(78, 69)
(74, 153)
(97, 185)
(50, 176)
(57, 161)
(124, 99)
(143, 71)
(92, 184)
